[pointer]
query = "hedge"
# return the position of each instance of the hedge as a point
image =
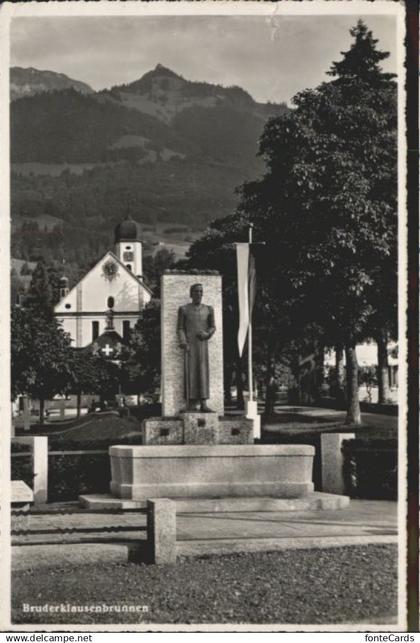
(70, 475)
(370, 468)
(21, 469)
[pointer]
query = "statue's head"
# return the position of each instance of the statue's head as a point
(196, 293)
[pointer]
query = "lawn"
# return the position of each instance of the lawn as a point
(338, 585)
(99, 427)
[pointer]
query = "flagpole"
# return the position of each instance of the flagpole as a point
(250, 383)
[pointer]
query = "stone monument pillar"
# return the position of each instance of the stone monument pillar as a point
(175, 293)
(192, 366)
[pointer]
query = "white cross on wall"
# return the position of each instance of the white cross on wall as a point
(108, 350)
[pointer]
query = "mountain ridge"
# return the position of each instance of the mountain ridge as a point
(29, 81)
(177, 149)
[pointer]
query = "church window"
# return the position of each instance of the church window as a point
(67, 306)
(128, 265)
(95, 330)
(110, 302)
(126, 328)
(128, 256)
(128, 247)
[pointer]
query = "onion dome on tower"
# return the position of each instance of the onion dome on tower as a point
(128, 246)
(127, 230)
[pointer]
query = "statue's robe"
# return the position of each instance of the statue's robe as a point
(193, 319)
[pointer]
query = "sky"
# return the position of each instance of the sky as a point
(271, 57)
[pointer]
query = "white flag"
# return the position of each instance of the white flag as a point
(242, 255)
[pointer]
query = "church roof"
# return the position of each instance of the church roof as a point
(114, 258)
(140, 281)
(127, 230)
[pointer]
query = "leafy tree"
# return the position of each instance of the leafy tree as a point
(25, 270)
(17, 286)
(368, 377)
(155, 265)
(142, 365)
(327, 203)
(93, 374)
(272, 323)
(41, 356)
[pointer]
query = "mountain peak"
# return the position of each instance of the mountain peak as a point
(164, 71)
(156, 77)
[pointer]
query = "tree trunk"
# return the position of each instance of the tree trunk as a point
(352, 372)
(319, 372)
(339, 372)
(41, 410)
(79, 403)
(383, 371)
(270, 387)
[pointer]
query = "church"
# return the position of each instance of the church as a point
(105, 304)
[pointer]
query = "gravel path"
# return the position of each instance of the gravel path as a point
(342, 585)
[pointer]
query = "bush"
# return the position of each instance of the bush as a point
(92, 445)
(371, 468)
(21, 469)
(72, 475)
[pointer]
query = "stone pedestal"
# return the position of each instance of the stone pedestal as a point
(175, 289)
(251, 412)
(332, 461)
(163, 431)
(197, 428)
(187, 471)
(38, 445)
(201, 428)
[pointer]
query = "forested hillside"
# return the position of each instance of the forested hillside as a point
(162, 147)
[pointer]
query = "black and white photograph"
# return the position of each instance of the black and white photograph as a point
(205, 275)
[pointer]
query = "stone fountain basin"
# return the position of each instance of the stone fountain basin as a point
(211, 471)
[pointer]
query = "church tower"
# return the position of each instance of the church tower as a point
(63, 286)
(128, 246)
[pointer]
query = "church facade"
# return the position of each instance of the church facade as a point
(105, 304)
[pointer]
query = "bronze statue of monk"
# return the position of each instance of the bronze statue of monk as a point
(195, 327)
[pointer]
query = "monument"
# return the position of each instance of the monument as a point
(195, 327)
(194, 450)
(192, 366)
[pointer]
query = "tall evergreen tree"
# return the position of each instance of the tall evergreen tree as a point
(40, 294)
(361, 61)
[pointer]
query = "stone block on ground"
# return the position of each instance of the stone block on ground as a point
(161, 530)
(38, 445)
(332, 462)
(21, 493)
